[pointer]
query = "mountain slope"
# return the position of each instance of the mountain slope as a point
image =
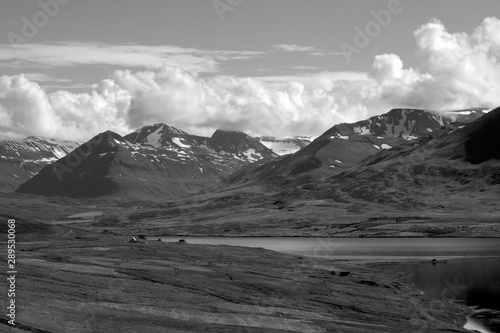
(345, 145)
(460, 170)
(20, 160)
(153, 162)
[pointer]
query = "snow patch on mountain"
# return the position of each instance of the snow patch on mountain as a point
(178, 142)
(250, 153)
(362, 130)
(343, 137)
(154, 138)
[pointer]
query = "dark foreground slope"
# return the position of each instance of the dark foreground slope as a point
(84, 282)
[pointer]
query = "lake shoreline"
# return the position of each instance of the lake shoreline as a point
(103, 283)
(378, 262)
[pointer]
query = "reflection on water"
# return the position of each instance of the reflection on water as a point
(473, 282)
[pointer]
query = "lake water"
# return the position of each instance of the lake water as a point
(470, 275)
(362, 248)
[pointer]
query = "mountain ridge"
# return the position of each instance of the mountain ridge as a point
(344, 145)
(234, 155)
(152, 162)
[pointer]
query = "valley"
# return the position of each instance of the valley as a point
(404, 176)
(72, 280)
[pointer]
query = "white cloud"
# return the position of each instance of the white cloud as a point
(26, 109)
(42, 77)
(458, 71)
(311, 50)
(294, 48)
(198, 105)
(126, 55)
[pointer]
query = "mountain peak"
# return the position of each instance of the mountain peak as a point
(157, 135)
(108, 136)
(164, 129)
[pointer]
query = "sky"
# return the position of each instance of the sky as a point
(71, 69)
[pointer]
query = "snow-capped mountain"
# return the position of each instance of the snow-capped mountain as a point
(20, 160)
(407, 124)
(154, 161)
(225, 149)
(163, 161)
(284, 146)
(345, 145)
(460, 170)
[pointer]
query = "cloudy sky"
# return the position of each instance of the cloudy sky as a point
(70, 69)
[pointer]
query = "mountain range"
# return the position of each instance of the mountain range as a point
(153, 162)
(21, 160)
(344, 145)
(159, 161)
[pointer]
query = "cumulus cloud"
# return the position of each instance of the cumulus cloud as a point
(458, 70)
(129, 100)
(182, 98)
(26, 109)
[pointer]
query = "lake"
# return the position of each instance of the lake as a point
(470, 275)
(473, 282)
(362, 248)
